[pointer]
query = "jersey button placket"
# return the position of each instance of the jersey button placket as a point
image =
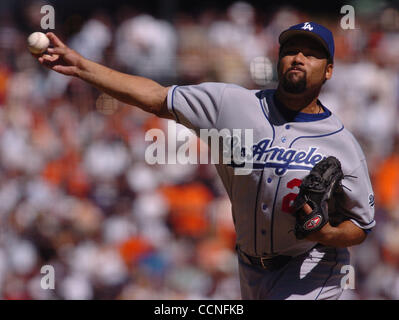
(284, 138)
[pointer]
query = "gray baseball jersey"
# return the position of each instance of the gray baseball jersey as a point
(283, 154)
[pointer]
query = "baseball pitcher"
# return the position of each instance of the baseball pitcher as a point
(308, 196)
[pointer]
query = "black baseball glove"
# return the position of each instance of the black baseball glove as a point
(316, 189)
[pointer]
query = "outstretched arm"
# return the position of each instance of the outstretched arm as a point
(137, 91)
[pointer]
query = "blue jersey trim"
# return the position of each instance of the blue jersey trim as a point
(307, 117)
(258, 166)
(297, 116)
(256, 207)
(278, 184)
(272, 220)
(319, 136)
(365, 227)
(264, 113)
(261, 176)
(173, 107)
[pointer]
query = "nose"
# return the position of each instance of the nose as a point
(299, 58)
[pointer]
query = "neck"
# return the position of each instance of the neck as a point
(306, 102)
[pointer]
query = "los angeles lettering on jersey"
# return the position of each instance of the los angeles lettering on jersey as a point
(280, 158)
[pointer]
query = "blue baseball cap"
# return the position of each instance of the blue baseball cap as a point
(323, 35)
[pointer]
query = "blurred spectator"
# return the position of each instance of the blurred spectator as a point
(76, 193)
(147, 47)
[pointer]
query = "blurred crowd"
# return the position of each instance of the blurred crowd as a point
(77, 194)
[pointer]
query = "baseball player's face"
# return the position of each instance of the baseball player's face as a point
(303, 65)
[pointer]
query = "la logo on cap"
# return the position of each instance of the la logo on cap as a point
(308, 26)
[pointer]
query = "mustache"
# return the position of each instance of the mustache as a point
(295, 68)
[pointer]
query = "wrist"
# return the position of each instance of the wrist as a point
(325, 235)
(81, 67)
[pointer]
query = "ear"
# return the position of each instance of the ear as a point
(329, 71)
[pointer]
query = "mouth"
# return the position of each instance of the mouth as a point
(295, 69)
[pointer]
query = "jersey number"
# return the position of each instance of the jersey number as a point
(289, 198)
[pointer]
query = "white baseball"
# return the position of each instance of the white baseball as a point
(38, 42)
(261, 69)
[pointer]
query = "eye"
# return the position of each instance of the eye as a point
(290, 52)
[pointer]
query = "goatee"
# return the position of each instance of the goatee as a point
(295, 87)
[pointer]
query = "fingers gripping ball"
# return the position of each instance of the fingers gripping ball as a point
(38, 42)
(316, 189)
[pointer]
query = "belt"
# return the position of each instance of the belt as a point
(267, 263)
